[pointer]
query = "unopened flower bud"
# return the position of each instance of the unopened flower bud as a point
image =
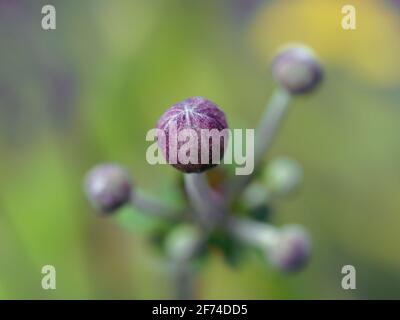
(108, 187)
(283, 175)
(291, 250)
(297, 69)
(184, 126)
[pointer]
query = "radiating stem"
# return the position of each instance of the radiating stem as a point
(184, 281)
(151, 206)
(270, 123)
(267, 129)
(258, 234)
(184, 268)
(204, 202)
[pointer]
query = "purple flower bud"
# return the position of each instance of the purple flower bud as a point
(292, 249)
(202, 124)
(297, 69)
(108, 187)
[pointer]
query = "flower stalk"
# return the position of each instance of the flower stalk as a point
(209, 211)
(256, 234)
(271, 120)
(182, 245)
(151, 206)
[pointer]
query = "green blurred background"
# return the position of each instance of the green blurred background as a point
(89, 91)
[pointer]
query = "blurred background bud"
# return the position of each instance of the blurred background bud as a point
(255, 201)
(108, 187)
(297, 69)
(182, 241)
(291, 250)
(283, 175)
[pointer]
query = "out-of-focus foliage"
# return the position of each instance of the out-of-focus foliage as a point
(89, 91)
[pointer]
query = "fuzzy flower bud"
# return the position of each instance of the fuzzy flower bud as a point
(297, 69)
(291, 250)
(192, 135)
(108, 187)
(283, 175)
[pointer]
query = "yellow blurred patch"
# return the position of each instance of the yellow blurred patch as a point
(371, 51)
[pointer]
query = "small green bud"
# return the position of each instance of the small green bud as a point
(182, 242)
(108, 187)
(255, 195)
(297, 69)
(283, 175)
(255, 201)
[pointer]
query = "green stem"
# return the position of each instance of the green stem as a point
(257, 234)
(184, 280)
(268, 127)
(208, 210)
(151, 206)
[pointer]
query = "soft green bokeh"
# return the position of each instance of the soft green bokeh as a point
(89, 91)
